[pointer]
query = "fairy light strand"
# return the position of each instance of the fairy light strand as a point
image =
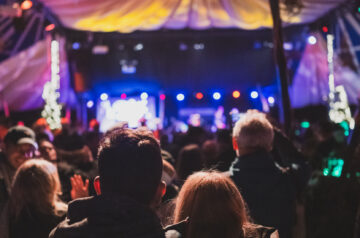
(52, 110)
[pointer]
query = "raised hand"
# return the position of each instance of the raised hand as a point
(79, 189)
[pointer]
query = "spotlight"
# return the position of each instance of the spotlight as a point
(90, 104)
(123, 96)
(199, 46)
(180, 97)
(236, 94)
(138, 47)
(312, 40)
(325, 29)
(271, 100)
(100, 49)
(144, 96)
(26, 5)
(162, 96)
(254, 94)
(50, 27)
(216, 95)
(76, 45)
(199, 96)
(183, 46)
(104, 96)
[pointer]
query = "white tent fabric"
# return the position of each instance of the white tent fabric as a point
(24, 75)
(127, 16)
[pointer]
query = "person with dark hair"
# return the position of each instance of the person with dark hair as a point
(129, 189)
(19, 146)
(190, 160)
(209, 205)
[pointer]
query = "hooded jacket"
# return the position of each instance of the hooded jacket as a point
(108, 217)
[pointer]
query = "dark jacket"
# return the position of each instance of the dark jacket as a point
(267, 190)
(33, 224)
(106, 218)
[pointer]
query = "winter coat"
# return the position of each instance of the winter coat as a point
(31, 223)
(268, 191)
(108, 217)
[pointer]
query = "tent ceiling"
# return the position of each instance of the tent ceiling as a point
(128, 16)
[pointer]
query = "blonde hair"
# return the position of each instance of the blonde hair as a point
(214, 206)
(36, 185)
(254, 131)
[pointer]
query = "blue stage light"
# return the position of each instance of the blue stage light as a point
(254, 94)
(180, 97)
(76, 45)
(104, 96)
(216, 95)
(90, 104)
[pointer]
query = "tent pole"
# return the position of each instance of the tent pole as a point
(281, 65)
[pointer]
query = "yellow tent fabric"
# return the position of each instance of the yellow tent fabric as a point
(129, 15)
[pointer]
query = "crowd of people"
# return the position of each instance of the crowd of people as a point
(248, 182)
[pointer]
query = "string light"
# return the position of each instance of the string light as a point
(52, 110)
(339, 107)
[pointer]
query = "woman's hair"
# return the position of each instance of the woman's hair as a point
(36, 186)
(214, 206)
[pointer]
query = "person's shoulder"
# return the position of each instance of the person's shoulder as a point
(176, 230)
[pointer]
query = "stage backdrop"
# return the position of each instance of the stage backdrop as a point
(127, 16)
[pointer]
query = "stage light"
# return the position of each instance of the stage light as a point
(199, 96)
(199, 46)
(236, 94)
(162, 96)
(288, 46)
(100, 49)
(26, 5)
(104, 97)
(325, 29)
(271, 100)
(76, 45)
(305, 124)
(144, 96)
(257, 45)
(216, 95)
(180, 97)
(90, 104)
(254, 94)
(183, 46)
(138, 47)
(312, 40)
(50, 27)
(123, 96)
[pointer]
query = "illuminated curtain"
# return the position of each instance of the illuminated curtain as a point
(130, 15)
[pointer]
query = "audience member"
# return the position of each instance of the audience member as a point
(267, 188)
(34, 208)
(129, 189)
(19, 146)
(72, 185)
(190, 160)
(209, 205)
